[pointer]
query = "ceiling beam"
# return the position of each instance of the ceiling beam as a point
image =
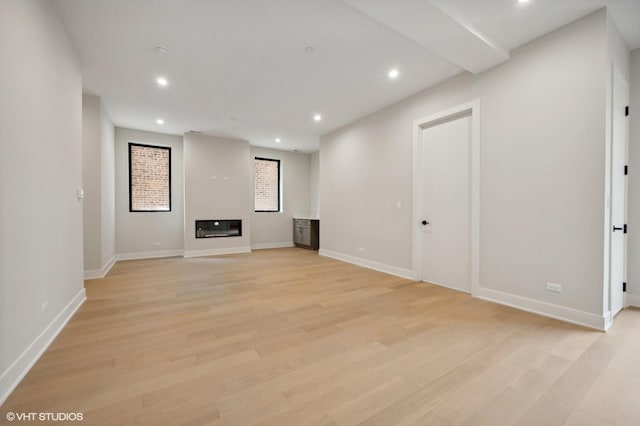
(436, 28)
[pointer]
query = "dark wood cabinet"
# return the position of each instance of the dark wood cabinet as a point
(306, 233)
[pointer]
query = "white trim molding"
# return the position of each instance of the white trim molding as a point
(216, 252)
(93, 274)
(472, 108)
(562, 313)
(13, 375)
(149, 255)
(608, 287)
(370, 264)
(262, 246)
(608, 320)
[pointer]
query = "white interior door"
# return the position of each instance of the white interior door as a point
(618, 193)
(446, 204)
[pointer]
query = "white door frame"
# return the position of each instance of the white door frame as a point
(472, 107)
(616, 74)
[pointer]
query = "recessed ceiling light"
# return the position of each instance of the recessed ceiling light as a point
(162, 82)
(523, 1)
(393, 74)
(278, 140)
(160, 121)
(317, 117)
(309, 49)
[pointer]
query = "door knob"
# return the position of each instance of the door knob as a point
(424, 222)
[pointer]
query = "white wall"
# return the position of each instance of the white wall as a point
(228, 196)
(41, 255)
(108, 189)
(314, 184)
(633, 254)
(91, 182)
(618, 49)
(542, 174)
(270, 229)
(148, 234)
(98, 180)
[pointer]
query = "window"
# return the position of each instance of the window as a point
(267, 185)
(149, 178)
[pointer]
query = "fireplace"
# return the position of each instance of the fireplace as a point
(214, 228)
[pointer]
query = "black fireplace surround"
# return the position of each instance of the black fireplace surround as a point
(214, 228)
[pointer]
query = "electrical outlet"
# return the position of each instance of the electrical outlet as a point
(157, 244)
(556, 288)
(45, 306)
(361, 249)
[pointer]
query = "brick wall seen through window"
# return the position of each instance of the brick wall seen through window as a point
(149, 178)
(267, 185)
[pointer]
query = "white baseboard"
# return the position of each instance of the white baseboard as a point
(271, 245)
(93, 274)
(633, 300)
(562, 313)
(216, 252)
(149, 254)
(608, 320)
(381, 267)
(12, 376)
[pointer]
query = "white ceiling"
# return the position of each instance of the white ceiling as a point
(238, 68)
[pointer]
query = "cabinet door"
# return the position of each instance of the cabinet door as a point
(306, 236)
(302, 235)
(297, 235)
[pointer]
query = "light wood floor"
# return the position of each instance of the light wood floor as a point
(285, 337)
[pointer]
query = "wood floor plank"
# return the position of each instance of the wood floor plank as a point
(287, 337)
(556, 405)
(367, 404)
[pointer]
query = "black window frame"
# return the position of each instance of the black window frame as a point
(131, 210)
(279, 209)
